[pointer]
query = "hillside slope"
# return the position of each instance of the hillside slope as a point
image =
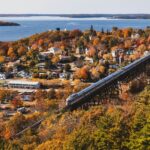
(109, 126)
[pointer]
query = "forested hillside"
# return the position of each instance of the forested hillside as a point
(125, 126)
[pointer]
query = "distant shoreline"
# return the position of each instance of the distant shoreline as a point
(3, 23)
(109, 16)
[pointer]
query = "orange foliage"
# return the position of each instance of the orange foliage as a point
(92, 52)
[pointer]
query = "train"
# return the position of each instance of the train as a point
(77, 97)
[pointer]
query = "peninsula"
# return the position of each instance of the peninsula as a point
(3, 23)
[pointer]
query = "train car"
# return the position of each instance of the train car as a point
(71, 98)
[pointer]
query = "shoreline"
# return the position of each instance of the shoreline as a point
(59, 18)
(116, 16)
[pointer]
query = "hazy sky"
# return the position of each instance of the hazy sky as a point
(74, 6)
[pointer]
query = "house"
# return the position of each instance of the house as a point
(55, 51)
(64, 59)
(89, 60)
(52, 50)
(146, 53)
(22, 110)
(2, 76)
(135, 36)
(86, 51)
(73, 66)
(23, 74)
(23, 84)
(13, 64)
(102, 61)
(7, 59)
(41, 66)
(120, 59)
(114, 54)
(113, 66)
(3, 83)
(26, 96)
(42, 57)
(129, 52)
(54, 74)
(44, 54)
(64, 75)
(15, 70)
(80, 51)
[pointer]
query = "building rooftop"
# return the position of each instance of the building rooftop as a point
(22, 82)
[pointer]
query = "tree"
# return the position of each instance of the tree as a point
(114, 29)
(55, 59)
(6, 95)
(142, 48)
(82, 73)
(51, 94)
(2, 59)
(79, 140)
(40, 94)
(128, 44)
(95, 74)
(96, 41)
(11, 53)
(17, 103)
(101, 69)
(14, 125)
(21, 51)
(91, 29)
(41, 42)
(102, 31)
(75, 33)
(3, 52)
(136, 86)
(139, 138)
(67, 67)
(92, 52)
(127, 32)
(107, 57)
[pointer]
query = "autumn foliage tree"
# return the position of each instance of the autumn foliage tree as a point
(92, 52)
(17, 103)
(136, 86)
(21, 51)
(82, 73)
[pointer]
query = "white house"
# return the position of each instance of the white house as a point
(55, 51)
(146, 53)
(23, 84)
(2, 76)
(52, 50)
(135, 36)
(89, 60)
(86, 51)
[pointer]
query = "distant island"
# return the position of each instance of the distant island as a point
(3, 23)
(109, 16)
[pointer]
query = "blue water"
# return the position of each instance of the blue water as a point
(29, 26)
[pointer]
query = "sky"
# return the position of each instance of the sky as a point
(74, 6)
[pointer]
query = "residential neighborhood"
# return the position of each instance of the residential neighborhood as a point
(69, 56)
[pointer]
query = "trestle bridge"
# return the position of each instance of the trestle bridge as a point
(109, 87)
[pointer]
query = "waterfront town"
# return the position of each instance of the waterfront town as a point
(38, 73)
(56, 60)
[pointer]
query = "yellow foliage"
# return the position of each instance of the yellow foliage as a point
(2, 59)
(96, 41)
